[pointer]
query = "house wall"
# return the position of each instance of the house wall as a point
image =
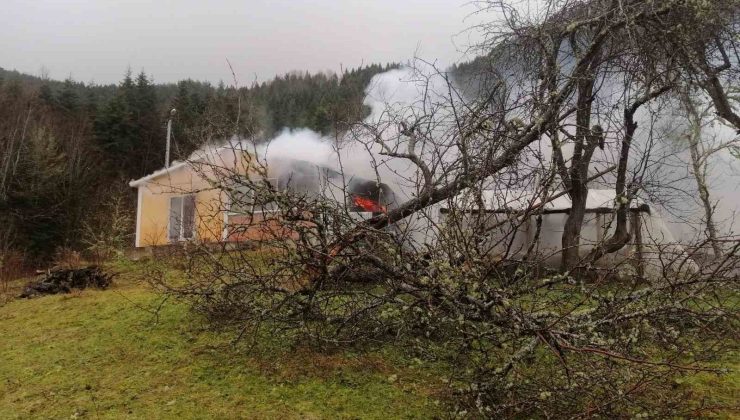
(211, 204)
(652, 252)
(504, 242)
(257, 227)
(154, 209)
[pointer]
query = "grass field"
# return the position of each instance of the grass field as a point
(101, 354)
(104, 354)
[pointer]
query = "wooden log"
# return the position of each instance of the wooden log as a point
(65, 280)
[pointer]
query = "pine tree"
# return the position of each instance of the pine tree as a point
(68, 99)
(129, 127)
(115, 130)
(46, 95)
(148, 125)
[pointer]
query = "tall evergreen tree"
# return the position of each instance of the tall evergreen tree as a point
(128, 127)
(69, 99)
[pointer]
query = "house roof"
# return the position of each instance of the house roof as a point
(209, 154)
(175, 166)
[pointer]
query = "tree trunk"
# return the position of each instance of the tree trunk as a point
(623, 192)
(583, 150)
(699, 171)
(698, 167)
(572, 229)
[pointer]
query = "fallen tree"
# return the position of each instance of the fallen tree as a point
(520, 340)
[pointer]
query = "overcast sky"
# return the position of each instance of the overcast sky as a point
(96, 40)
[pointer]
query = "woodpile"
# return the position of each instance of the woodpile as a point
(63, 280)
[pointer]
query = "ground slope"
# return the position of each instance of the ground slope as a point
(100, 354)
(108, 354)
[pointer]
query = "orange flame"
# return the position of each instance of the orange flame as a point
(368, 204)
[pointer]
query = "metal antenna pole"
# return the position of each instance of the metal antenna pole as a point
(169, 135)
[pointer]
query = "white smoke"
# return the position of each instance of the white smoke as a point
(685, 213)
(408, 95)
(301, 144)
(393, 96)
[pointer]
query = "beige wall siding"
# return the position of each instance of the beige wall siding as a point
(154, 209)
(154, 217)
(211, 217)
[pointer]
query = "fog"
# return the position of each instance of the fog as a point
(96, 40)
(398, 93)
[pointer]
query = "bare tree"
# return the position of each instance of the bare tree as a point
(446, 242)
(704, 146)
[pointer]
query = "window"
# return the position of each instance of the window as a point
(262, 196)
(182, 218)
(308, 183)
(248, 199)
(240, 200)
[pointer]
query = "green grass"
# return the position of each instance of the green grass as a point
(104, 354)
(101, 354)
(720, 393)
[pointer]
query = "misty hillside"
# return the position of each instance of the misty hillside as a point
(322, 102)
(69, 148)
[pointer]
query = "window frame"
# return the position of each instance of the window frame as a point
(273, 181)
(181, 229)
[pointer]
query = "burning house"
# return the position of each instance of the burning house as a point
(213, 198)
(199, 200)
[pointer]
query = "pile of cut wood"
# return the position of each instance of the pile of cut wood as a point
(63, 280)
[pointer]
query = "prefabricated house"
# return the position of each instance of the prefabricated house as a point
(176, 204)
(182, 203)
(187, 201)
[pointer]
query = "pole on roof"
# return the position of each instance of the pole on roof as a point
(169, 135)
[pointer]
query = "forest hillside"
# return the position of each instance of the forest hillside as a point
(68, 149)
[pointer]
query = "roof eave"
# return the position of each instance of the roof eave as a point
(135, 183)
